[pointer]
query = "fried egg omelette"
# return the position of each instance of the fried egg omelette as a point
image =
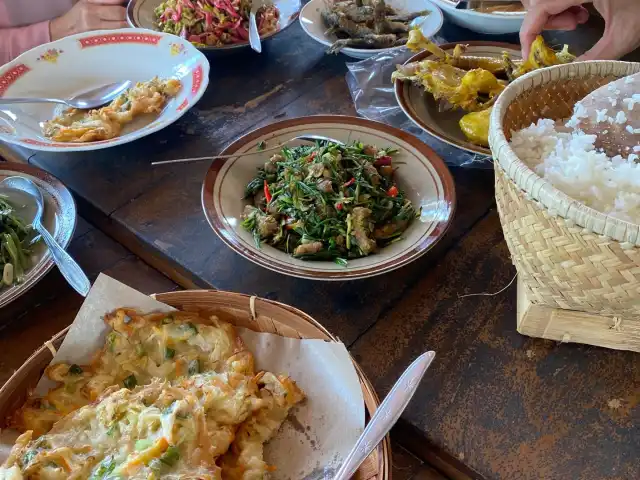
(168, 396)
(75, 125)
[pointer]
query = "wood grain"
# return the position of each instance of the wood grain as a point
(507, 405)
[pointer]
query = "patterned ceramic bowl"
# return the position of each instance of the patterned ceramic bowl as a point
(140, 14)
(59, 219)
(421, 173)
(494, 23)
(423, 110)
(81, 62)
(314, 26)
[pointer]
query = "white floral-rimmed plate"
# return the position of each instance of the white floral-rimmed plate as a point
(59, 219)
(81, 62)
(314, 26)
(422, 109)
(421, 173)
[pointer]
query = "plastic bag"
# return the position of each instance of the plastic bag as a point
(373, 95)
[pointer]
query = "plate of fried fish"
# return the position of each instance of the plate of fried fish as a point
(206, 385)
(362, 28)
(167, 78)
(449, 90)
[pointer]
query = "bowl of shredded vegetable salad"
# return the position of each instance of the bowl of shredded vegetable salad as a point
(371, 200)
(213, 24)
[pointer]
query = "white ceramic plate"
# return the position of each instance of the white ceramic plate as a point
(81, 62)
(423, 110)
(140, 14)
(492, 23)
(59, 219)
(313, 25)
(421, 173)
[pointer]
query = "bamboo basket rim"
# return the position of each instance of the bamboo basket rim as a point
(536, 187)
(253, 304)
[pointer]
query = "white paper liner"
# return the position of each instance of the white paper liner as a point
(319, 433)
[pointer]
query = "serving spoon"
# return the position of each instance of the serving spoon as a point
(386, 415)
(306, 138)
(70, 270)
(254, 35)
(90, 99)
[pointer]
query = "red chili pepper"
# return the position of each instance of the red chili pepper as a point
(350, 182)
(312, 156)
(386, 160)
(393, 191)
(339, 206)
(267, 193)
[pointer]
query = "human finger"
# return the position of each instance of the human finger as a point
(568, 20)
(110, 13)
(538, 16)
(103, 25)
(106, 2)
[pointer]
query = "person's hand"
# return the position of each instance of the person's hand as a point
(621, 34)
(88, 15)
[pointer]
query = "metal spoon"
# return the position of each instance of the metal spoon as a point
(386, 415)
(67, 265)
(87, 100)
(307, 138)
(254, 35)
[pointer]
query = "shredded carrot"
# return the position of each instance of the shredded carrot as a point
(144, 457)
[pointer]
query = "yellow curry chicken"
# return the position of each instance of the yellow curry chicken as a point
(471, 83)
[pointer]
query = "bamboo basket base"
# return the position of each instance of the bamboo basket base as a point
(571, 326)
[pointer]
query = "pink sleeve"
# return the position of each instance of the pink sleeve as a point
(15, 41)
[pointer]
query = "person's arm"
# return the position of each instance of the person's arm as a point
(17, 40)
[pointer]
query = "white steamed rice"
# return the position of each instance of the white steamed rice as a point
(571, 163)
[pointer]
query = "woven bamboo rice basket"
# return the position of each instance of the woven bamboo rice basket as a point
(568, 256)
(241, 310)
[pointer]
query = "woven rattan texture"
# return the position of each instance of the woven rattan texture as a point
(567, 255)
(563, 265)
(552, 100)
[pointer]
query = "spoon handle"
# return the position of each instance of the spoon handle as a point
(9, 101)
(307, 138)
(386, 415)
(254, 36)
(67, 265)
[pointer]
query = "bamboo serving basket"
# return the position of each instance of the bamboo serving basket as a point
(257, 314)
(568, 256)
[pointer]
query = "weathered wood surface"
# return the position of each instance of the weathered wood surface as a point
(511, 406)
(507, 406)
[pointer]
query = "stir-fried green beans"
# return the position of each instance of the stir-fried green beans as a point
(327, 202)
(16, 240)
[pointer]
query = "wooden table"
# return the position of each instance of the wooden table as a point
(495, 404)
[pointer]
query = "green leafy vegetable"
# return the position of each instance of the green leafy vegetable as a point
(130, 382)
(194, 367)
(327, 202)
(171, 456)
(75, 370)
(16, 242)
(104, 469)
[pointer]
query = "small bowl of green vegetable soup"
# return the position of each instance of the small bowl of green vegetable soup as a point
(364, 200)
